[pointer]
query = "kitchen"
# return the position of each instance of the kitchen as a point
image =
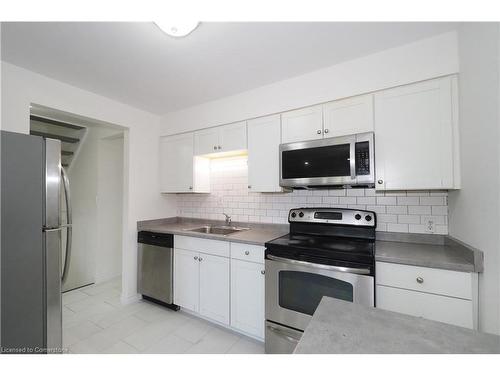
(248, 216)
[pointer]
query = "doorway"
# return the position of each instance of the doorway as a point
(92, 154)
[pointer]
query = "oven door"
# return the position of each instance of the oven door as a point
(295, 288)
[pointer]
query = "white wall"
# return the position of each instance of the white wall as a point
(21, 87)
(417, 61)
(109, 208)
(475, 209)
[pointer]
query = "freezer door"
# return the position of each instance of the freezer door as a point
(52, 242)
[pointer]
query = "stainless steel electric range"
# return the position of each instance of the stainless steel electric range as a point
(328, 252)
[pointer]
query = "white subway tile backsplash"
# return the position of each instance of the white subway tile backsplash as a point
(399, 211)
(387, 201)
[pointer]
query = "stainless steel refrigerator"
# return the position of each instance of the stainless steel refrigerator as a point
(33, 263)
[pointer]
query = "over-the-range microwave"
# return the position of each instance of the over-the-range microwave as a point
(345, 161)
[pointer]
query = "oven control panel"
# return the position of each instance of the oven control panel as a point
(340, 216)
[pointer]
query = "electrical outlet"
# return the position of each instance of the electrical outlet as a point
(429, 227)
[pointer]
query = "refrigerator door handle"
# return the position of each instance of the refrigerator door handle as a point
(69, 223)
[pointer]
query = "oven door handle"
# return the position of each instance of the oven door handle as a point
(360, 271)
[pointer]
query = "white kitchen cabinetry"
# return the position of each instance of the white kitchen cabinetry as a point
(231, 137)
(264, 137)
(436, 294)
(247, 297)
(206, 141)
(348, 116)
(186, 279)
(214, 287)
(302, 124)
(221, 281)
(415, 129)
(180, 171)
(201, 277)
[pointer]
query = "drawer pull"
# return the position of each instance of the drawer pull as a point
(247, 252)
(420, 280)
(263, 272)
(195, 258)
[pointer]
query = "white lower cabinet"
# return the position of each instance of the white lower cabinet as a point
(444, 309)
(442, 295)
(201, 283)
(247, 297)
(214, 287)
(186, 279)
(221, 281)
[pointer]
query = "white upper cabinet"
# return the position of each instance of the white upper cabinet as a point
(415, 130)
(302, 124)
(233, 137)
(348, 116)
(224, 138)
(206, 141)
(264, 135)
(180, 172)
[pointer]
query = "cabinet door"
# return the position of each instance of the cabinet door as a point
(214, 287)
(176, 163)
(186, 279)
(247, 297)
(206, 141)
(302, 125)
(348, 116)
(264, 135)
(444, 309)
(414, 129)
(233, 137)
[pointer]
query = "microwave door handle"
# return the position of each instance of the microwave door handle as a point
(352, 159)
(359, 271)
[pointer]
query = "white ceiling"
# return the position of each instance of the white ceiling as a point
(137, 64)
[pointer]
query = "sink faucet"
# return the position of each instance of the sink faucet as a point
(228, 218)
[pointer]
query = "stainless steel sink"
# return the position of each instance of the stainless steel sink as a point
(217, 229)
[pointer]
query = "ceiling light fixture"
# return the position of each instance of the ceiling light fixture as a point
(177, 29)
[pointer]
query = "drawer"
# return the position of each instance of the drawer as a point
(252, 253)
(433, 280)
(430, 306)
(202, 245)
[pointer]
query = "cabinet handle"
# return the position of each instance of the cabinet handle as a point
(326, 131)
(263, 272)
(420, 280)
(215, 147)
(190, 188)
(247, 252)
(195, 258)
(219, 147)
(318, 131)
(249, 186)
(200, 259)
(380, 182)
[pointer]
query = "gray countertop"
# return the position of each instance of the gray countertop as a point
(412, 249)
(428, 251)
(339, 327)
(258, 234)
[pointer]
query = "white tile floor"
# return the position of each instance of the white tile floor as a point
(94, 321)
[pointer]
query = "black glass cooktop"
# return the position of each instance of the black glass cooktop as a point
(322, 249)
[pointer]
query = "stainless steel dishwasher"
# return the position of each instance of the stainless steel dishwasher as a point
(155, 268)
